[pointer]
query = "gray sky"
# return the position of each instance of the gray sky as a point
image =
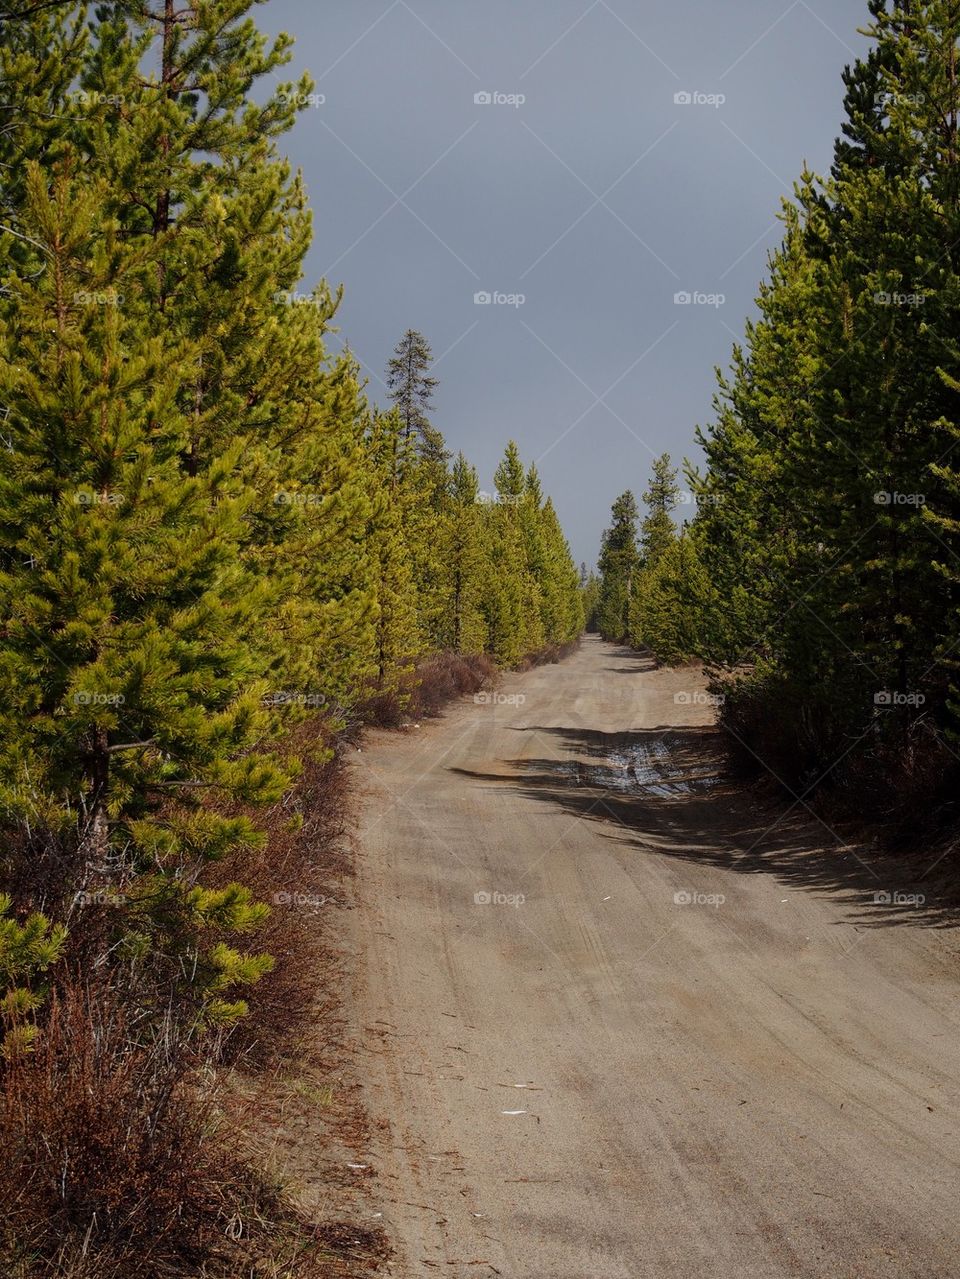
(598, 199)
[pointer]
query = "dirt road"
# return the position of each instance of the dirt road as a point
(622, 1023)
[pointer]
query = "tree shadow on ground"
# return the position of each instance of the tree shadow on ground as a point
(668, 789)
(630, 662)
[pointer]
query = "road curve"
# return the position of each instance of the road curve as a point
(620, 1020)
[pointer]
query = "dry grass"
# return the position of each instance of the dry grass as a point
(549, 655)
(446, 676)
(432, 683)
(123, 1151)
(125, 1148)
(105, 1141)
(301, 872)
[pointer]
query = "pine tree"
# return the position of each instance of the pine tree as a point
(26, 951)
(157, 387)
(619, 564)
(131, 656)
(589, 597)
(41, 57)
(670, 614)
(398, 634)
(561, 603)
(506, 602)
(519, 517)
(428, 511)
(754, 523)
(425, 480)
(657, 532)
(314, 506)
(831, 500)
(657, 536)
(880, 231)
(466, 561)
(510, 478)
(411, 388)
(199, 514)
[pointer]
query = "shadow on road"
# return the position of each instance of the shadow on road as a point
(666, 790)
(630, 662)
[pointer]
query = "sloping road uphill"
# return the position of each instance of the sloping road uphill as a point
(622, 1021)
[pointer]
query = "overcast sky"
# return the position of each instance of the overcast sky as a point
(596, 199)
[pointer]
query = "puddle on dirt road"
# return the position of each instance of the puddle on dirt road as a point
(647, 766)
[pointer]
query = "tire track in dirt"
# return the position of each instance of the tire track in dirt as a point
(732, 1062)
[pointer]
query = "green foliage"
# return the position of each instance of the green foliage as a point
(411, 388)
(562, 608)
(619, 565)
(511, 610)
(177, 452)
(26, 950)
(397, 632)
(589, 597)
(672, 604)
(532, 598)
(658, 532)
(206, 532)
(820, 568)
(829, 510)
(465, 554)
(459, 570)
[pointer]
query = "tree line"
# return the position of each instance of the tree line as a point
(206, 530)
(208, 533)
(819, 576)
